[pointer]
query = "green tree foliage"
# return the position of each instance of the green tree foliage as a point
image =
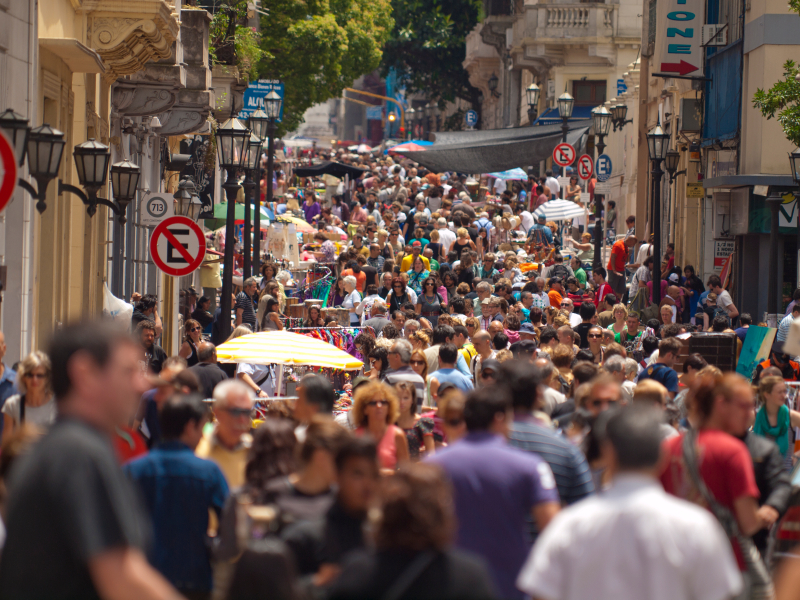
(319, 47)
(427, 44)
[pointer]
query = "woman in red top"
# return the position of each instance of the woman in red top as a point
(375, 409)
(718, 405)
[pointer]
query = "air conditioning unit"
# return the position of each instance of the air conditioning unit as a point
(714, 35)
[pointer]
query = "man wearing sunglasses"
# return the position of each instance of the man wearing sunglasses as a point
(229, 443)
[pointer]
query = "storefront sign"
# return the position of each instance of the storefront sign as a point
(722, 250)
(678, 50)
(694, 190)
(256, 92)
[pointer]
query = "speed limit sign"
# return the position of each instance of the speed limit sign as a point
(155, 208)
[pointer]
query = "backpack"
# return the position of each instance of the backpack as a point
(560, 271)
(718, 310)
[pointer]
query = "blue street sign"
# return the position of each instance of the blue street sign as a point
(603, 167)
(471, 117)
(622, 87)
(256, 92)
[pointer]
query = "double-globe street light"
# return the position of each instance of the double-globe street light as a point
(44, 148)
(657, 147)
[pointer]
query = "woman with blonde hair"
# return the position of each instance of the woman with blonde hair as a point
(620, 315)
(462, 242)
(418, 429)
(775, 418)
(35, 403)
(375, 410)
(192, 333)
(419, 340)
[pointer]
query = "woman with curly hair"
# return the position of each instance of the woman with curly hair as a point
(418, 429)
(192, 333)
(375, 410)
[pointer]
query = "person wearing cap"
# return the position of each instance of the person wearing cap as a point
(790, 370)
(555, 292)
(540, 233)
(408, 261)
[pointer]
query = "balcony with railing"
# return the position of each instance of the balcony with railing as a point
(570, 21)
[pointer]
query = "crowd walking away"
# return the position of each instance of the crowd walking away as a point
(449, 396)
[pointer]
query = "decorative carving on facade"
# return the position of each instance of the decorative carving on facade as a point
(127, 36)
(181, 121)
(141, 100)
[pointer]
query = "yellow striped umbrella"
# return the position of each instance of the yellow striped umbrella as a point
(285, 348)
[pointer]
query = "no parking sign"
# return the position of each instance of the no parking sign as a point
(178, 246)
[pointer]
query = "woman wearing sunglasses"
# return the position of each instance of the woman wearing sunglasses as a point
(429, 302)
(378, 363)
(595, 338)
(398, 296)
(188, 349)
(35, 402)
(375, 409)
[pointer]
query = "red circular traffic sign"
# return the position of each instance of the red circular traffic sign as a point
(8, 171)
(585, 167)
(564, 155)
(177, 246)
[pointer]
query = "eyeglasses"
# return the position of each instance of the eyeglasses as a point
(239, 412)
(35, 376)
(377, 403)
(417, 362)
(565, 304)
(193, 329)
(594, 335)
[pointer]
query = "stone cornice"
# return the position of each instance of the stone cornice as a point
(127, 35)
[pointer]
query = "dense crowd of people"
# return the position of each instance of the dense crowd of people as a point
(527, 423)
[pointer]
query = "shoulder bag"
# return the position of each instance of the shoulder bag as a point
(761, 587)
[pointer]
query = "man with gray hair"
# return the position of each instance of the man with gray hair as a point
(617, 368)
(484, 291)
(411, 325)
(229, 442)
(377, 318)
(446, 237)
(245, 310)
(688, 554)
(399, 358)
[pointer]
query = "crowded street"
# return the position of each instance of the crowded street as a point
(351, 302)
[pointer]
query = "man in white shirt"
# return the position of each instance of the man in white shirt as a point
(446, 237)
(552, 183)
(724, 299)
(634, 540)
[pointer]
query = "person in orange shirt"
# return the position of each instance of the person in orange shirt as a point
(556, 292)
(354, 269)
(620, 252)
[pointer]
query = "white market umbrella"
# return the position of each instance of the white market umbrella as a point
(558, 210)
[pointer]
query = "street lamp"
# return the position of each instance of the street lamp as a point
(657, 145)
(532, 94)
(565, 105)
(124, 182)
(412, 115)
(671, 163)
(252, 168)
(601, 119)
(272, 105)
(492, 85)
(620, 111)
(189, 204)
(794, 162)
(15, 126)
(45, 149)
(259, 125)
(232, 139)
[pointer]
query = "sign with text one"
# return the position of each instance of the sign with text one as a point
(155, 208)
(678, 49)
(177, 246)
(256, 92)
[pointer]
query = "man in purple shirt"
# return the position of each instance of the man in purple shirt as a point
(496, 487)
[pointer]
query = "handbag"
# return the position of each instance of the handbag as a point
(761, 587)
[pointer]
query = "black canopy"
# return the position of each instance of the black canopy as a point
(336, 169)
(497, 149)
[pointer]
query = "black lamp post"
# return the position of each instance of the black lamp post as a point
(232, 139)
(259, 124)
(251, 172)
(189, 204)
(774, 201)
(124, 183)
(532, 96)
(410, 116)
(272, 108)
(565, 105)
(794, 161)
(15, 126)
(620, 111)
(429, 115)
(657, 145)
(601, 120)
(492, 85)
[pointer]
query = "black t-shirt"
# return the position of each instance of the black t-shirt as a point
(155, 358)
(473, 232)
(452, 574)
(466, 276)
(68, 502)
(209, 375)
(371, 273)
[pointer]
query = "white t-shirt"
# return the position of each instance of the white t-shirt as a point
(527, 220)
(260, 375)
(645, 250)
(664, 548)
(553, 184)
(724, 300)
(499, 186)
(41, 416)
(446, 238)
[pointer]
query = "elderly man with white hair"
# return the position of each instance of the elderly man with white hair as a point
(351, 299)
(229, 442)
